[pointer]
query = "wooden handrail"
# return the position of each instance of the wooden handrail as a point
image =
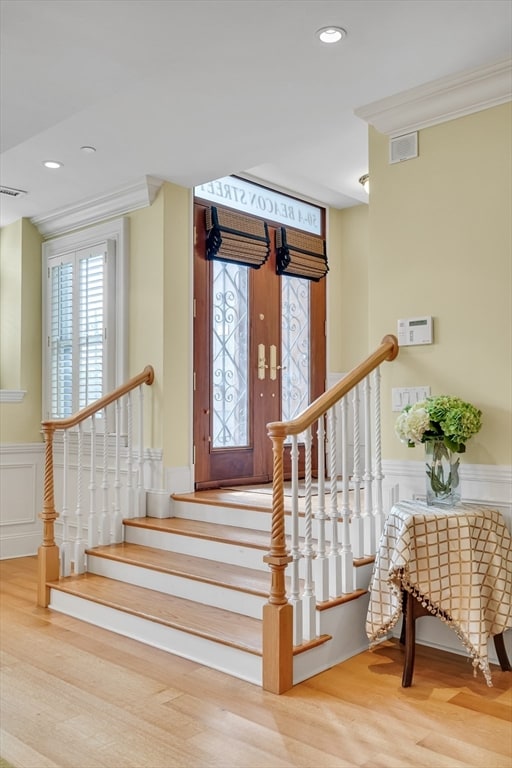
(278, 612)
(388, 350)
(48, 552)
(147, 376)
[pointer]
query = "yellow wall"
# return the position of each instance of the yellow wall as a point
(435, 240)
(347, 288)
(20, 336)
(160, 316)
(440, 245)
(10, 305)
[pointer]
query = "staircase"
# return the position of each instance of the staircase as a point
(269, 588)
(195, 585)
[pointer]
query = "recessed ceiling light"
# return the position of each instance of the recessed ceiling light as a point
(88, 150)
(52, 164)
(331, 34)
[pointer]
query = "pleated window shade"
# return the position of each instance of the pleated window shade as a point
(300, 254)
(237, 238)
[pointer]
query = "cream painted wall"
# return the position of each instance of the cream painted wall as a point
(146, 309)
(20, 339)
(160, 316)
(440, 245)
(347, 288)
(10, 305)
(178, 325)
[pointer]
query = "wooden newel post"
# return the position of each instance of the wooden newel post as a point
(48, 552)
(278, 612)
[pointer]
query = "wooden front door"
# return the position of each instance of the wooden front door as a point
(258, 357)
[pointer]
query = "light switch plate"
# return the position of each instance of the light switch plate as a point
(402, 396)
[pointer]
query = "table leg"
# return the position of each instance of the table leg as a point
(501, 652)
(410, 641)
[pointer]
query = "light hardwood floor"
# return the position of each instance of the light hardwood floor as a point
(76, 696)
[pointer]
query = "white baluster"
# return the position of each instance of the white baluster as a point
(357, 521)
(129, 458)
(347, 559)
(308, 599)
(378, 512)
(368, 521)
(117, 522)
(65, 548)
(295, 551)
(79, 548)
(92, 522)
(141, 495)
(104, 517)
(335, 587)
(321, 562)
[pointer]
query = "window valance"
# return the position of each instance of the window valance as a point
(234, 237)
(300, 254)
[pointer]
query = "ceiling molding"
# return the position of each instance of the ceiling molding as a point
(94, 210)
(441, 100)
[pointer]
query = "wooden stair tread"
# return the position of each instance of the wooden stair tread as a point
(237, 577)
(199, 529)
(229, 534)
(217, 624)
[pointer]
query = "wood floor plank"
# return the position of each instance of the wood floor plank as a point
(77, 696)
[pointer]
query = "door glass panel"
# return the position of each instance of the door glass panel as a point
(295, 346)
(230, 352)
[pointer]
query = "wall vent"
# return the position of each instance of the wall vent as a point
(11, 192)
(403, 147)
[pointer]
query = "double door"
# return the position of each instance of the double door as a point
(259, 356)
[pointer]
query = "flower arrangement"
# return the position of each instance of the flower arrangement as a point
(444, 424)
(444, 418)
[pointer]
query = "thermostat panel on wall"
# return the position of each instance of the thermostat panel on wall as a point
(414, 330)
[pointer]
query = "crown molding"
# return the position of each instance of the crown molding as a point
(141, 194)
(441, 100)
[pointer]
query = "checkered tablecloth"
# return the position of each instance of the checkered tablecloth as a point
(456, 562)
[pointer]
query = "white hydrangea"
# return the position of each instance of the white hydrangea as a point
(411, 424)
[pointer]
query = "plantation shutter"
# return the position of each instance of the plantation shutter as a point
(237, 238)
(91, 325)
(60, 338)
(300, 254)
(77, 335)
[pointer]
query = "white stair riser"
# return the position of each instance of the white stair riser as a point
(345, 623)
(240, 518)
(245, 518)
(171, 584)
(206, 548)
(233, 661)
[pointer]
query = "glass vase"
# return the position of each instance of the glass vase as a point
(442, 469)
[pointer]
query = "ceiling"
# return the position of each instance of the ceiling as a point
(192, 90)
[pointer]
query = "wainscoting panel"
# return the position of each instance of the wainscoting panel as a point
(21, 498)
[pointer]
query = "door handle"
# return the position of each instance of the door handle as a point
(261, 362)
(274, 368)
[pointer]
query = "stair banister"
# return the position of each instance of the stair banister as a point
(278, 612)
(48, 552)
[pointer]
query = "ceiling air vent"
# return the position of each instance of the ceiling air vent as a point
(403, 147)
(11, 192)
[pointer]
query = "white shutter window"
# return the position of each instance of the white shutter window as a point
(84, 303)
(61, 338)
(77, 337)
(91, 326)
